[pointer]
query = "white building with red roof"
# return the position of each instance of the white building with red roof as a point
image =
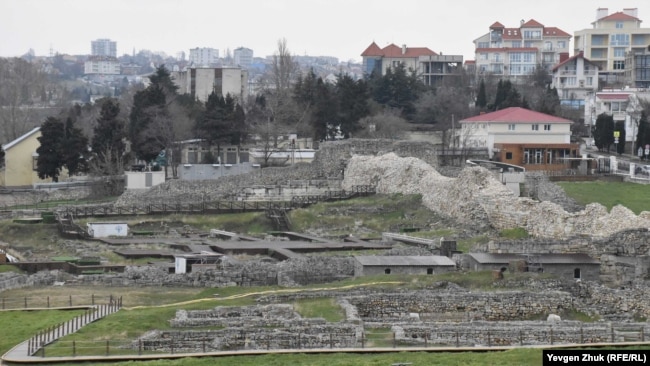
(427, 64)
(522, 137)
(575, 78)
(516, 52)
(609, 39)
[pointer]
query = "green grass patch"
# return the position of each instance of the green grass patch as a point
(466, 245)
(515, 233)
(634, 196)
(325, 308)
(18, 326)
(9, 268)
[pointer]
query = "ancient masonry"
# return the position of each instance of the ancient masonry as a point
(476, 197)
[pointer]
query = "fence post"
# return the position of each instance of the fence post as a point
(489, 339)
(70, 300)
(299, 347)
(551, 332)
(611, 328)
(457, 341)
(171, 345)
(107, 348)
(29, 347)
(521, 338)
(48, 302)
(331, 343)
(74, 349)
(92, 299)
(43, 351)
(203, 345)
(139, 347)
(426, 336)
(394, 340)
(363, 340)
(642, 334)
(25, 302)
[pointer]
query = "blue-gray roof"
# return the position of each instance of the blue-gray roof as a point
(411, 260)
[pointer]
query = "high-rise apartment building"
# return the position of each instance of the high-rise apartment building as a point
(516, 52)
(610, 39)
(243, 57)
(103, 47)
(204, 57)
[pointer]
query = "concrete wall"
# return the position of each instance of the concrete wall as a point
(143, 180)
(214, 171)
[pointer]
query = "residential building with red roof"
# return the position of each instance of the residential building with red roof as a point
(429, 65)
(518, 136)
(516, 52)
(611, 37)
(575, 78)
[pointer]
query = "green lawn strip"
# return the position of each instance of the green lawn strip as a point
(326, 308)
(18, 326)
(634, 196)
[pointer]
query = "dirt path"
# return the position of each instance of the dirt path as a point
(239, 296)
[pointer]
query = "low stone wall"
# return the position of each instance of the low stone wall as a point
(252, 338)
(459, 306)
(482, 333)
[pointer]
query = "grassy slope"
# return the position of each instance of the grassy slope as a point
(634, 196)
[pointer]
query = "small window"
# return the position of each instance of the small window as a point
(508, 156)
(535, 127)
(387, 271)
(511, 127)
(619, 25)
(576, 274)
(429, 271)
(547, 127)
(34, 163)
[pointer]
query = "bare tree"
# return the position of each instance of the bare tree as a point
(387, 125)
(22, 86)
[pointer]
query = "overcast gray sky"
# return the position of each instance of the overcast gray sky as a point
(340, 28)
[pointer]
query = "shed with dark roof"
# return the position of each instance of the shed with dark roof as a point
(579, 266)
(414, 265)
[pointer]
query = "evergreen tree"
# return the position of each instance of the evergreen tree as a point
(398, 89)
(74, 148)
(324, 114)
(222, 121)
(643, 136)
(148, 115)
(108, 140)
(481, 98)
(352, 101)
(50, 157)
(603, 132)
(506, 96)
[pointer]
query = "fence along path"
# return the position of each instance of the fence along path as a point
(34, 348)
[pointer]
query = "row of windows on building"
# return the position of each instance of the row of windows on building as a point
(548, 45)
(542, 156)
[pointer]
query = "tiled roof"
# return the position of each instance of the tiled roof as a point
(516, 115)
(15, 142)
(532, 24)
(470, 62)
(555, 32)
(395, 51)
(372, 50)
(395, 260)
(511, 33)
(497, 25)
(618, 16)
(613, 96)
(572, 58)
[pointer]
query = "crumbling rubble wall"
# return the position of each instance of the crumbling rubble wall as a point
(477, 198)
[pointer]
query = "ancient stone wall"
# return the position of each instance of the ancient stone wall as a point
(476, 198)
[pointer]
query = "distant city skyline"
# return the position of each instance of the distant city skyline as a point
(337, 28)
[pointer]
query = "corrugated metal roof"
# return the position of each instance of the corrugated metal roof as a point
(544, 258)
(388, 260)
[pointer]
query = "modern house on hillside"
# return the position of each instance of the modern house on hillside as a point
(518, 136)
(516, 52)
(430, 66)
(611, 37)
(575, 78)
